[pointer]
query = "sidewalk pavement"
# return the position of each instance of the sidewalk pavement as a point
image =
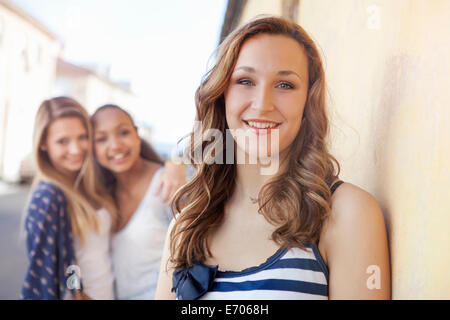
(7, 188)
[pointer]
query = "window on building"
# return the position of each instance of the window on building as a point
(21, 50)
(39, 53)
(2, 30)
(34, 52)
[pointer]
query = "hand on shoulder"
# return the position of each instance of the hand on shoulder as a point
(172, 178)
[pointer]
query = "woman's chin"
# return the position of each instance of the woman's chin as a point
(118, 168)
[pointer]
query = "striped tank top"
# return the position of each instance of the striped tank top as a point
(289, 274)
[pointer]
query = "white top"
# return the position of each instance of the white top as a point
(94, 260)
(137, 248)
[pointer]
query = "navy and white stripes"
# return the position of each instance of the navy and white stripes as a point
(288, 274)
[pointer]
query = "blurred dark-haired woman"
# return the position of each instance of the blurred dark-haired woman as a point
(132, 172)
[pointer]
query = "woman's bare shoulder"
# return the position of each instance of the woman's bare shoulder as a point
(348, 199)
(354, 213)
(355, 239)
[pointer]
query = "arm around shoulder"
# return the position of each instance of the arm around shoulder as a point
(356, 246)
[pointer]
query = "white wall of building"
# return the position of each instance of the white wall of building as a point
(27, 70)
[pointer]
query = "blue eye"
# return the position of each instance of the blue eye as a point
(285, 85)
(245, 82)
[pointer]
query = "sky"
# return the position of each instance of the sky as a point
(162, 47)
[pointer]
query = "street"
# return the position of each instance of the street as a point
(13, 260)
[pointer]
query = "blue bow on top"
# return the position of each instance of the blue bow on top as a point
(191, 283)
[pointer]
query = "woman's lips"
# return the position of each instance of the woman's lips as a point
(119, 157)
(260, 127)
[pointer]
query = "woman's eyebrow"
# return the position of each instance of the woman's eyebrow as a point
(288, 72)
(67, 135)
(122, 124)
(59, 137)
(245, 68)
(281, 72)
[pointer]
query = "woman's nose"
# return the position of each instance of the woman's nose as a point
(76, 148)
(114, 143)
(263, 100)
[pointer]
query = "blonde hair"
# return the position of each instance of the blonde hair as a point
(84, 196)
(297, 200)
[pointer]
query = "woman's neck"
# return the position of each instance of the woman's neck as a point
(66, 178)
(250, 178)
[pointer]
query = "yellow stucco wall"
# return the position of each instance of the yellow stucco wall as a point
(387, 65)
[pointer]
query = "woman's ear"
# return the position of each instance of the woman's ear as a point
(43, 147)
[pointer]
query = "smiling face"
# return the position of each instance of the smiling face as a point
(66, 144)
(268, 89)
(117, 143)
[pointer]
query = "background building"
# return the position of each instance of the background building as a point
(102, 40)
(28, 53)
(387, 72)
(91, 86)
(32, 68)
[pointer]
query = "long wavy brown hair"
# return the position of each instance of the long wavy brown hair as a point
(297, 200)
(84, 196)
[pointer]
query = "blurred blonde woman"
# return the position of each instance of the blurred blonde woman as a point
(69, 215)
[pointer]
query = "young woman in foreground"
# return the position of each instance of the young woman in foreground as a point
(70, 216)
(307, 235)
